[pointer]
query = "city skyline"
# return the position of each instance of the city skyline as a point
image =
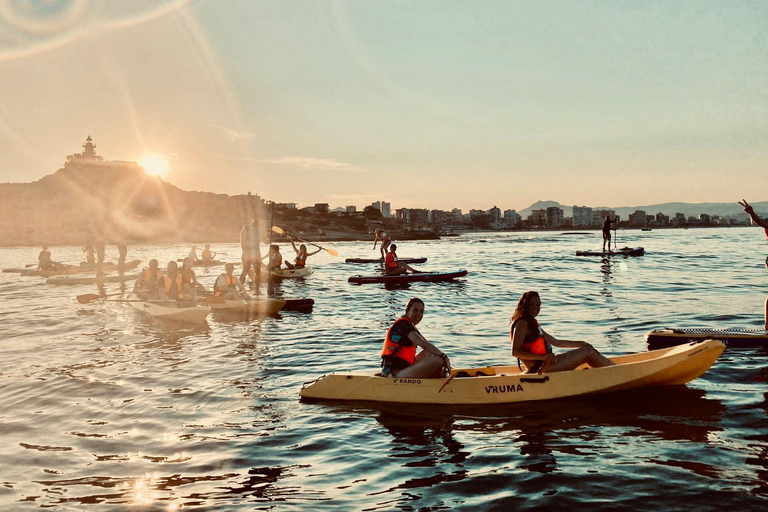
(438, 105)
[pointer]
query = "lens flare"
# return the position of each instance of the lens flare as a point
(154, 165)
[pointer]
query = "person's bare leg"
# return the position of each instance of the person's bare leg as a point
(574, 358)
(426, 366)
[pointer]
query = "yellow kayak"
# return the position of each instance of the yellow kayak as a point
(507, 384)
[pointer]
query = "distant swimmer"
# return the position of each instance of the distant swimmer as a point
(607, 232)
(533, 347)
(147, 286)
(228, 287)
(381, 235)
(301, 256)
(763, 224)
(207, 255)
(395, 267)
(398, 355)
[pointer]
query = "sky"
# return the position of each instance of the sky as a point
(429, 104)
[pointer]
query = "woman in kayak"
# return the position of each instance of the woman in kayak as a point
(398, 355)
(301, 256)
(533, 346)
(763, 224)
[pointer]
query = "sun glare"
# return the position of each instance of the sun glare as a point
(153, 164)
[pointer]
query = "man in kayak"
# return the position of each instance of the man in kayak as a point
(192, 254)
(229, 287)
(607, 232)
(250, 238)
(301, 256)
(148, 283)
(533, 347)
(394, 267)
(44, 261)
(398, 355)
(755, 218)
(207, 255)
(190, 286)
(385, 241)
(172, 288)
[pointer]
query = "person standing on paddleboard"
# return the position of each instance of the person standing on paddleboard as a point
(607, 232)
(398, 355)
(250, 238)
(763, 224)
(385, 241)
(533, 347)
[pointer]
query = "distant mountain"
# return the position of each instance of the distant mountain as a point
(670, 209)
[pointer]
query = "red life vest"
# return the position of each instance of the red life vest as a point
(390, 261)
(300, 262)
(534, 340)
(229, 284)
(392, 348)
(170, 282)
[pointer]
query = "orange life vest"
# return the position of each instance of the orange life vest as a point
(300, 262)
(534, 340)
(179, 285)
(229, 285)
(392, 347)
(147, 278)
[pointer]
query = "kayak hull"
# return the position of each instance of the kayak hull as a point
(286, 273)
(507, 384)
(381, 260)
(61, 281)
(424, 277)
(298, 304)
(82, 269)
(258, 305)
(192, 315)
(733, 338)
(627, 251)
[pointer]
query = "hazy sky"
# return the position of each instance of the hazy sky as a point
(423, 104)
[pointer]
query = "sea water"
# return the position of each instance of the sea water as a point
(104, 409)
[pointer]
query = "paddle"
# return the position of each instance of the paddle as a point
(30, 265)
(280, 231)
(90, 297)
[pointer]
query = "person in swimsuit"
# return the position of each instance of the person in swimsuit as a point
(385, 241)
(398, 355)
(755, 218)
(533, 347)
(607, 232)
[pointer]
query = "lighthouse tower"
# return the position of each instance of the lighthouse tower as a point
(88, 156)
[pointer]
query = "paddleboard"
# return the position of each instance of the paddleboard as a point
(734, 338)
(624, 251)
(429, 277)
(286, 273)
(381, 260)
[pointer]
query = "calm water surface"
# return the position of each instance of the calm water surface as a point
(102, 409)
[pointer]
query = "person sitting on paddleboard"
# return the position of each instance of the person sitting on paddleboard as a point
(147, 285)
(229, 287)
(394, 267)
(207, 255)
(755, 218)
(607, 232)
(398, 355)
(44, 261)
(385, 241)
(533, 347)
(301, 256)
(189, 279)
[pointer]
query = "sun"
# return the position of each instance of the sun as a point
(153, 164)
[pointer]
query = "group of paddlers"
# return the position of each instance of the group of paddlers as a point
(531, 345)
